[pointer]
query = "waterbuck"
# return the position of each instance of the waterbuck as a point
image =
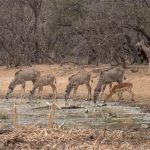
(114, 74)
(75, 81)
(21, 77)
(44, 80)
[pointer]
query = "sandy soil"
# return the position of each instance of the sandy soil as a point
(141, 82)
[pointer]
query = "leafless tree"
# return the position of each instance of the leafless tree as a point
(50, 31)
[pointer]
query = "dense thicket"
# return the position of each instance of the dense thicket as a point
(80, 31)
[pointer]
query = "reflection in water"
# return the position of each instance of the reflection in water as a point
(89, 115)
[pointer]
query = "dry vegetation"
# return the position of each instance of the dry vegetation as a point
(56, 31)
(74, 139)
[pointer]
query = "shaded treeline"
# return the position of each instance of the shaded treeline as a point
(58, 31)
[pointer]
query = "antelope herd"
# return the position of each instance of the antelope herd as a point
(107, 77)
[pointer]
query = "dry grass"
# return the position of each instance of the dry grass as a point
(58, 138)
(74, 139)
(4, 115)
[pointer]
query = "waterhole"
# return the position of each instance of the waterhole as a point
(85, 115)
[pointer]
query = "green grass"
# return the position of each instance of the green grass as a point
(4, 115)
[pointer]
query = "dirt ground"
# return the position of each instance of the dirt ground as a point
(141, 81)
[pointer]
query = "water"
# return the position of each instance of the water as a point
(113, 115)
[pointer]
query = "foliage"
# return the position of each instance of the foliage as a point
(4, 115)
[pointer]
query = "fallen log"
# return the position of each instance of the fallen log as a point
(102, 105)
(63, 107)
(72, 107)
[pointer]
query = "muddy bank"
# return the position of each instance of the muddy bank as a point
(143, 107)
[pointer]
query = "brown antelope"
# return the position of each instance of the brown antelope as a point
(44, 80)
(120, 88)
(114, 74)
(21, 77)
(75, 81)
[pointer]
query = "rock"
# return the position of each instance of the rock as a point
(134, 70)
(144, 126)
(86, 110)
